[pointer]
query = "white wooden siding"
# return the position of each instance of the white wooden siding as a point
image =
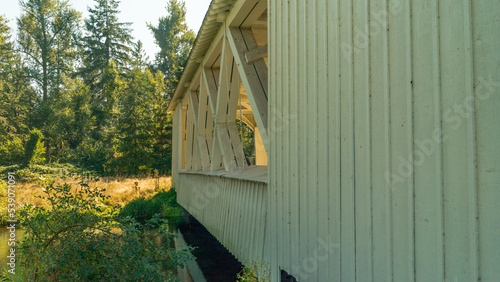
(362, 92)
(233, 210)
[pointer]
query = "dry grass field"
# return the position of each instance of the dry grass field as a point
(121, 190)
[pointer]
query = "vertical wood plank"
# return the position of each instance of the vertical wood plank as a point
(400, 82)
(471, 144)
(190, 138)
(381, 167)
(487, 87)
(455, 167)
(272, 193)
(303, 125)
(348, 257)
(294, 135)
(429, 243)
(322, 138)
(362, 161)
(334, 141)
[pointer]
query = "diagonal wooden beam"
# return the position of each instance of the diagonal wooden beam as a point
(205, 127)
(254, 55)
(193, 101)
(209, 77)
(190, 132)
(236, 144)
(228, 95)
(229, 141)
(216, 161)
(254, 77)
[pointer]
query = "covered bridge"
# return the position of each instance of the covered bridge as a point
(375, 148)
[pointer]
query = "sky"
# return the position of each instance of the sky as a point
(138, 12)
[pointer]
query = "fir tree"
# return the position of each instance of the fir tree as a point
(106, 39)
(175, 39)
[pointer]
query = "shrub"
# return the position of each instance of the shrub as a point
(33, 148)
(164, 202)
(257, 271)
(11, 152)
(4, 215)
(77, 238)
(36, 172)
(95, 155)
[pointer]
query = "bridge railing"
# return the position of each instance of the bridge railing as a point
(234, 210)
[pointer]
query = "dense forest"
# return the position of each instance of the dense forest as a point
(82, 91)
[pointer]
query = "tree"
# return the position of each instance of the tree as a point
(48, 36)
(136, 123)
(162, 147)
(33, 149)
(175, 39)
(139, 57)
(106, 39)
(16, 100)
(6, 64)
(71, 123)
(106, 57)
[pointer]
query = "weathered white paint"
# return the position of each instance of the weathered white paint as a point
(358, 89)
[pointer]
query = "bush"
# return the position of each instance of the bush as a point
(163, 202)
(11, 152)
(33, 148)
(37, 172)
(77, 238)
(257, 271)
(4, 215)
(95, 155)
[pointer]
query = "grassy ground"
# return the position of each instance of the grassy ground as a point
(121, 190)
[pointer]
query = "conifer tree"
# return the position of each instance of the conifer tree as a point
(16, 96)
(105, 39)
(175, 39)
(48, 37)
(107, 50)
(139, 57)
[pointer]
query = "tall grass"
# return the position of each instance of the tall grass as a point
(121, 190)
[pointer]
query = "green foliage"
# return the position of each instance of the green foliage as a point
(16, 97)
(257, 271)
(41, 172)
(89, 89)
(11, 152)
(105, 39)
(78, 238)
(139, 58)
(33, 148)
(164, 203)
(141, 130)
(69, 125)
(4, 215)
(247, 138)
(94, 155)
(48, 35)
(175, 39)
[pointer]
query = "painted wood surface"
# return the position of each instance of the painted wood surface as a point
(384, 133)
(233, 210)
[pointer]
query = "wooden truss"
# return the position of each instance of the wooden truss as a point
(214, 100)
